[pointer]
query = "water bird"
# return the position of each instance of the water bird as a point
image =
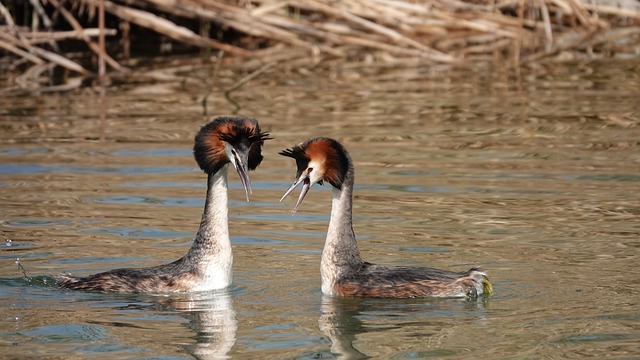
(342, 269)
(207, 264)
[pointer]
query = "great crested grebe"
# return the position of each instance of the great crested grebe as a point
(342, 269)
(207, 265)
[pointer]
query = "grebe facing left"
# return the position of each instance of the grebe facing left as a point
(342, 269)
(207, 265)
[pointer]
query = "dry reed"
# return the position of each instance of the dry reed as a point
(311, 31)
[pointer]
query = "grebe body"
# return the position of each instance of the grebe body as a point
(343, 271)
(208, 263)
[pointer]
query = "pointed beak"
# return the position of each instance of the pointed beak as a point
(304, 179)
(240, 161)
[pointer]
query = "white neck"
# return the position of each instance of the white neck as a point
(211, 251)
(340, 254)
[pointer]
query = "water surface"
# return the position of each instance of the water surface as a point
(539, 186)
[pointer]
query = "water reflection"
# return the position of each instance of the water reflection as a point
(339, 322)
(375, 325)
(202, 325)
(212, 318)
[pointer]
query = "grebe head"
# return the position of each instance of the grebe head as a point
(235, 140)
(318, 160)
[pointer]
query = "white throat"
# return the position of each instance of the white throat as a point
(215, 257)
(340, 254)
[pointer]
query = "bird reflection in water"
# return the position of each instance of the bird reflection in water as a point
(339, 322)
(212, 319)
(378, 324)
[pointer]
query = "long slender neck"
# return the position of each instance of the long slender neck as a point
(340, 255)
(211, 253)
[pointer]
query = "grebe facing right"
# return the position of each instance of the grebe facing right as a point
(207, 265)
(342, 269)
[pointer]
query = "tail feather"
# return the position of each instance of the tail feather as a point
(66, 281)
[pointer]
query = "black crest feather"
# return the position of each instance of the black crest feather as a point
(297, 153)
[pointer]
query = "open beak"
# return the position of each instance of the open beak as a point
(304, 179)
(240, 161)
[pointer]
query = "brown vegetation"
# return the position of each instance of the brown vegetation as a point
(302, 33)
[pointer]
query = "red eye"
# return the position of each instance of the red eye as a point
(309, 170)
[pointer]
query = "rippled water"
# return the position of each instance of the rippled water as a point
(453, 169)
